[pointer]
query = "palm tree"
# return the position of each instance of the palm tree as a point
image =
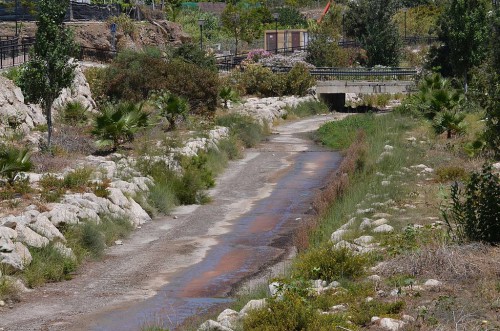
(228, 94)
(450, 122)
(13, 161)
(172, 107)
(436, 94)
(118, 124)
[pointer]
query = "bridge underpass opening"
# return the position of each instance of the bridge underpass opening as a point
(334, 101)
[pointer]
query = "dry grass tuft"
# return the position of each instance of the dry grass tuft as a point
(339, 181)
(335, 187)
(448, 263)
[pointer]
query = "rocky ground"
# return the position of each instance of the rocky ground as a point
(98, 34)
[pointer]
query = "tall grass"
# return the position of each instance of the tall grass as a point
(306, 108)
(244, 128)
(48, 265)
(90, 238)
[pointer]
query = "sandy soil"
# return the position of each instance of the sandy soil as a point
(160, 250)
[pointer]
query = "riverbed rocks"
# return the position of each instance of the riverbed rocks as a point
(267, 110)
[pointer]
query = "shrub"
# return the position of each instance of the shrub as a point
(97, 79)
(262, 81)
(450, 173)
(74, 113)
(291, 313)
(100, 189)
(117, 124)
(231, 147)
(299, 80)
(77, 179)
(363, 313)
(162, 195)
(198, 85)
(13, 74)
(52, 188)
(191, 53)
(330, 264)
(243, 127)
(473, 214)
(8, 289)
(133, 75)
(18, 188)
(13, 161)
(323, 52)
(48, 265)
(124, 23)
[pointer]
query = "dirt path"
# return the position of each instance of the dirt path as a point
(172, 266)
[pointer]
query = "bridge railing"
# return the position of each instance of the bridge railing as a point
(370, 74)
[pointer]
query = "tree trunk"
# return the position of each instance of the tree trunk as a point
(48, 112)
(466, 84)
(448, 134)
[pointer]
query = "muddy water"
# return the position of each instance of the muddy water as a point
(256, 239)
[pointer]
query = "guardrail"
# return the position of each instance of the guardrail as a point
(371, 74)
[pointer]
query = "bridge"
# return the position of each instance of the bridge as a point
(332, 84)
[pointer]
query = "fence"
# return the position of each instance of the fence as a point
(17, 53)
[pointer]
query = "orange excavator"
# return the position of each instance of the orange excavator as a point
(325, 11)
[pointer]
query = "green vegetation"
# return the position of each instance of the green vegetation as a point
(473, 212)
(244, 128)
(49, 265)
(117, 124)
(13, 161)
(171, 107)
(307, 108)
(74, 113)
(372, 25)
(49, 69)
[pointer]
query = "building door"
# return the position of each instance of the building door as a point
(272, 43)
(295, 40)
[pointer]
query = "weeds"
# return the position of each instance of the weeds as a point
(48, 265)
(90, 239)
(306, 108)
(327, 263)
(243, 127)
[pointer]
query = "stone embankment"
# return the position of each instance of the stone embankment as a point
(40, 224)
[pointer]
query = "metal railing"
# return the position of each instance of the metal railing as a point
(370, 74)
(15, 54)
(409, 40)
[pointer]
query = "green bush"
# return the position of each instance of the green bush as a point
(450, 173)
(291, 313)
(162, 195)
(117, 124)
(171, 107)
(77, 179)
(299, 80)
(192, 53)
(90, 239)
(473, 214)
(198, 85)
(243, 127)
(330, 264)
(133, 75)
(258, 80)
(231, 147)
(362, 314)
(74, 113)
(48, 265)
(12, 74)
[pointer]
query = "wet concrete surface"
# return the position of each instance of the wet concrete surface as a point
(176, 267)
(255, 241)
